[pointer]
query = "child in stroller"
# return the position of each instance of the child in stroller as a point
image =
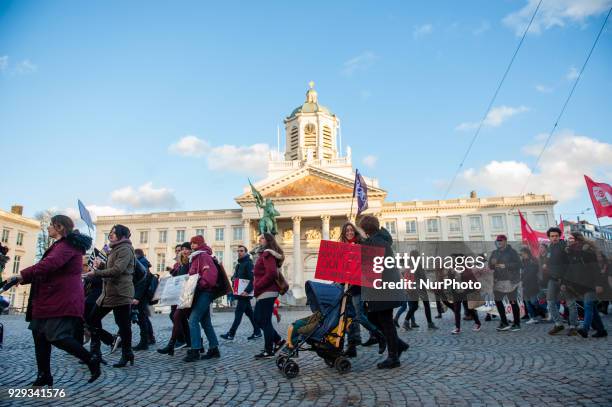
(322, 332)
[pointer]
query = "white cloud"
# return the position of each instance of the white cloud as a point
(25, 67)
(556, 13)
(190, 146)
(4, 63)
(483, 27)
(543, 88)
(559, 172)
(422, 30)
(240, 159)
(572, 74)
(370, 160)
(144, 196)
(495, 117)
(361, 62)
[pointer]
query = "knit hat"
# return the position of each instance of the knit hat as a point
(186, 245)
(199, 240)
(501, 237)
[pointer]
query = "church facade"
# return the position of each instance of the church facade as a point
(311, 185)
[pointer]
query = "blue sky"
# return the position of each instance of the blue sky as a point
(93, 94)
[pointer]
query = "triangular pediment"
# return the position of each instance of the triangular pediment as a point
(307, 182)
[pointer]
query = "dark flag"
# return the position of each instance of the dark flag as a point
(361, 191)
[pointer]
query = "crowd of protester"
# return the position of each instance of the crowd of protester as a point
(570, 275)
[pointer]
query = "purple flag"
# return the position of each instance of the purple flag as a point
(361, 190)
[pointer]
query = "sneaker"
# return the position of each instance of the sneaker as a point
(414, 325)
(572, 332)
(212, 353)
(515, 327)
(456, 331)
(532, 321)
(279, 345)
(254, 336)
(556, 329)
(180, 345)
(227, 337)
(503, 327)
(431, 325)
(264, 355)
(583, 332)
(476, 327)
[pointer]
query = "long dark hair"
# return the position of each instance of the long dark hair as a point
(273, 245)
(358, 235)
(63, 221)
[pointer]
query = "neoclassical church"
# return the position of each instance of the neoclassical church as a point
(311, 185)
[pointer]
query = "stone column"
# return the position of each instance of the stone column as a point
(298, 275)
(325, 227)
(246, 233)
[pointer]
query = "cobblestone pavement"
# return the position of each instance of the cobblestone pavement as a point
(472, 369)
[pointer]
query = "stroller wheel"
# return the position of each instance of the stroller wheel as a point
(280, 361)
(342, 364)
(329, 362)
(291, 369)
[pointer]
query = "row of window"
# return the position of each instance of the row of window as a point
(6, 234)
(162, 235)
(432, 225)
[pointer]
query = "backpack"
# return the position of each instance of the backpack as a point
(140, 271)
(223, 286)
(152, 287)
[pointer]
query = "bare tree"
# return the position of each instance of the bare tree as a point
(43, 241)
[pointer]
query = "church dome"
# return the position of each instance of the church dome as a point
(311, 105)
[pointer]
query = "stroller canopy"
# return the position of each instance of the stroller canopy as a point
(322, 297)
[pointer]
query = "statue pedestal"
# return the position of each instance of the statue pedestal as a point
(296, 296)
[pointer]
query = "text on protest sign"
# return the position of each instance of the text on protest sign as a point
(347, 263)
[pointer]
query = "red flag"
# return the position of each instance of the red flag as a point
(601, 196)
(532, 238)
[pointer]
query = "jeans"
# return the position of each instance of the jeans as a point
(591, 314)
(263, 319)
(243, 306)
(553, 294)
(200, 314)
(401, 310)
(122, 319)
(534, 308)
(360, 319)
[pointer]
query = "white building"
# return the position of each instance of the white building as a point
(311, 185)
(19, 234)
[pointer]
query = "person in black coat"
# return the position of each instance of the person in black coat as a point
(381, 302)
(506, 265)
(141, 303)
(243, 271)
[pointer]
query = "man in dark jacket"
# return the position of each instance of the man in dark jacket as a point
(555, 267)
(506, 265)
(141, 303)
(380, 302)
(243, 271)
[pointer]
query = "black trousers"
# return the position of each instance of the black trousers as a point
(144, 322)
(42, 348)
(516, 312)
(456, 307)
(243, 306)
(123, 321)
(384, 322)
(413, 306)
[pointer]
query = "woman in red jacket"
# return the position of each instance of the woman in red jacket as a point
(56, 304)
(266, 290)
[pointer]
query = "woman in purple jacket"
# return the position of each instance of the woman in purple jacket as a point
(56, 304)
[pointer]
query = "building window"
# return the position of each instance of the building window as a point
(454, 225)
(219, 234)
(144, 237)
(200, 232)
(497, 222)
(219, 255)
(475, 224)
(5, 235)
(390, 226)
(541, 221)
(16, 262)
(161, 262)
(238, 233)
(20, 239)
(105, 237)
(517, 223)
(180, 236)
(432, 226)
(163, 236)
(411, 226)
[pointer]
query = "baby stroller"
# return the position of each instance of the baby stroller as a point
(323, 332)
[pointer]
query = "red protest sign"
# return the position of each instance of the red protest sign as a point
(347, 263)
